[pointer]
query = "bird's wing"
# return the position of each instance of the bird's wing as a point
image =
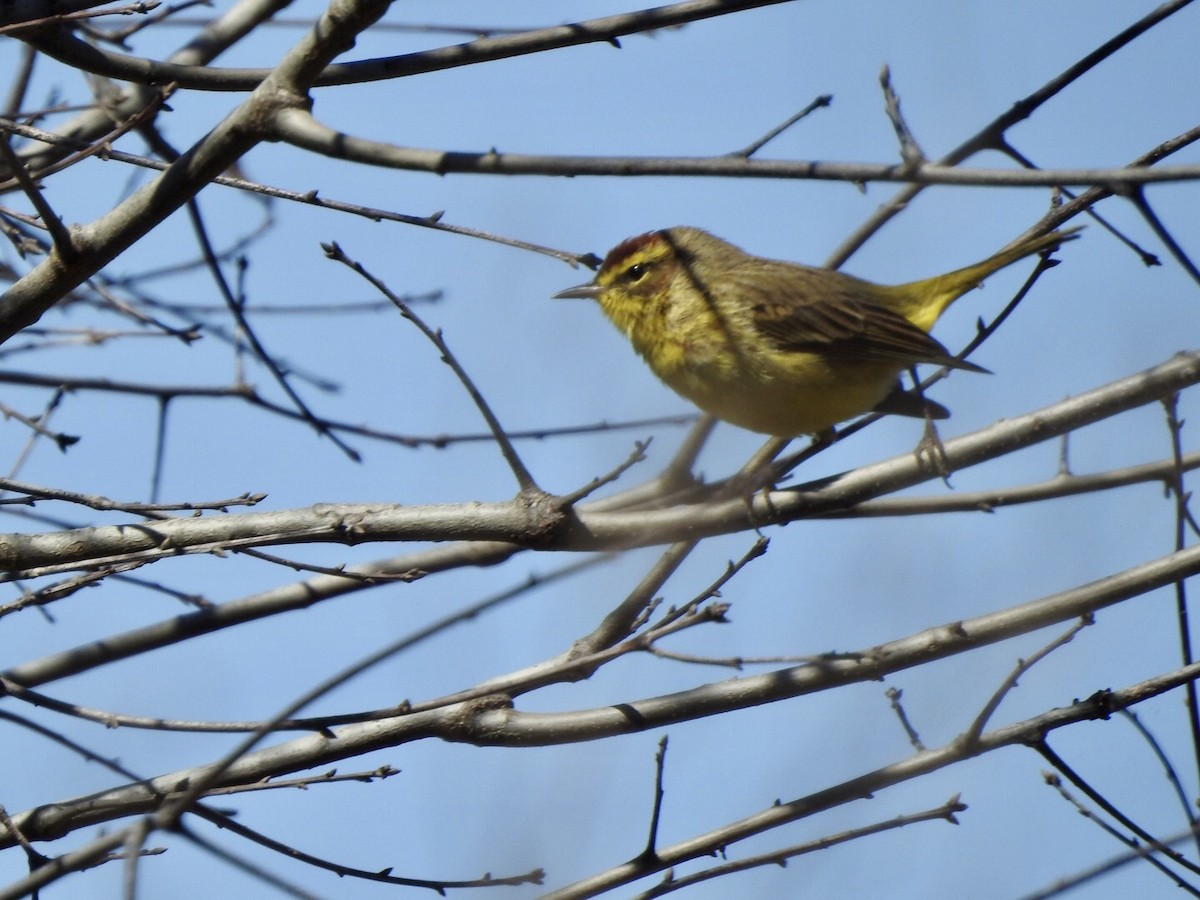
(805, 310)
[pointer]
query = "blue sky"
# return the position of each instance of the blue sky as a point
(709, 88)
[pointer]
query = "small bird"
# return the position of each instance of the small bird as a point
(778, 347)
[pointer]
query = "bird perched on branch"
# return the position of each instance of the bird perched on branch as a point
(777, 347)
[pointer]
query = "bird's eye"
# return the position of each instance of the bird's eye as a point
(636, 272)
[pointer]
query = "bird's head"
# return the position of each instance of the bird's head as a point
(642, 276)
(634, 271)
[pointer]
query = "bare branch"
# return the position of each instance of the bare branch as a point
(34, 555)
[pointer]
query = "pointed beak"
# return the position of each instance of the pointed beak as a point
(579, 292)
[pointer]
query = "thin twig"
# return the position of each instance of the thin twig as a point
(53, 224)
(819, 103)
(638, 455)
(971, 735)
(894, 694)
(1169, 769)
(991, 136)
(236, 305)
(660, 765)
(1137, 197)
(1055, 781)
(525, 481)
(670, 883)
(97, 502)
(713, 591)
(910, 150)
(1183, 516)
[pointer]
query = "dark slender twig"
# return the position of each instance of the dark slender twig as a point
(382, 876)
(1061, 766)
(573, 666)
(1175, 489)
(94, 853)
(1138, 198)
(137, 7)
(239, 861)
(433, 221)
(820, 103)
(330, 776)
(342, 570)
(236, 304)
(984, 331)
(894, 694)
(107, 298)
(478, 31)
(63, 242)
(1169, 770)
(84, 149)
(321, 723)
(525, 480)
(991, 136)
(1146, 854)
(619, 623)
(63, 441)
(38, 424)
(1027, 732)
(52, 593)
(39, 339)
(1100, 870)
(248, 394)
(713, 591)
(160, 448)
(670, 883)
(726, 166)
(169, 16)
(606, 30)
(1148, 258)
(660, 765)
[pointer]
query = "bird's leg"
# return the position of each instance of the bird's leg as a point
(930, 449)
(763, 471)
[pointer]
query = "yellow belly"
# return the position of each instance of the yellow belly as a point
(806, 396)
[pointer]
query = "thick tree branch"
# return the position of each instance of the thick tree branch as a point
(299, 127)
(95, 123)
(491, 721)
(66, 48)
(102, 241)
(30, 555)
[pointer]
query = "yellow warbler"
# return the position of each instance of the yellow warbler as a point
(778, 347)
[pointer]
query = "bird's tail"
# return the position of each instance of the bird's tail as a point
(922, 302)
